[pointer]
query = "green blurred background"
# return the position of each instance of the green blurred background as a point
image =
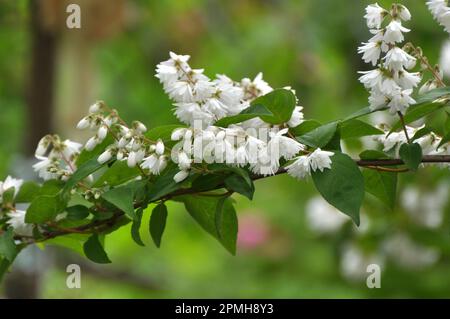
(50, 75)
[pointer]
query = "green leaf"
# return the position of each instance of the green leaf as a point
(74, 242)
(163, 132)
(123, 198)
(4, 266)
(411, 154)
(319, 137)
(28, 191)
(82, 172)
(305, 127)
(93, 249)
(362, 112)
(421, 133)
(382, 185)
(357, 128)
(45, 208)
(158, 223)
(8, 195)
(8, 248)
(205, 209)
(342, 185)
(117, 174)
(77, 212)
(135, 227)
(444, 140)
(373, 155)
(239, 184)
(249, 113)
(280, 102)
(164, 184)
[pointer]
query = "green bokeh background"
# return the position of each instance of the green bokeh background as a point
(307, 44)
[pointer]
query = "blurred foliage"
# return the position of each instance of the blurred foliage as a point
(309, 45)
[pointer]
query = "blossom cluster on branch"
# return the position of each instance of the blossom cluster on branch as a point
(232, 133)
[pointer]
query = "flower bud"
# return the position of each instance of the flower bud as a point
(177, 134)
(139, 127)
(96, 107)
(91, 143)
(104, 157)
(102, 132)
(159, 147)
(83, 124)
(180, 176)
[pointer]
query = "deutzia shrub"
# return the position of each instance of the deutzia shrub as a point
(231, 133)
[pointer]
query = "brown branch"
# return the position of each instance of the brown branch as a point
(101, 225)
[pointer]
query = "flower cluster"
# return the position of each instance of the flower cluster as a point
(390, 84)
(129, 143)
(15, 217)
(56, 157)
(197, 97)
(441, 12)
(430, 143)
(200, 102)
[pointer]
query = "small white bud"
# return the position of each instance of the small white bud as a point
(96, 107)
(42, 146)
(159, 148)
(162, 163)
(177, 134)
(123, 142)
(119, 155)
(184, 161)
(91, 143)
(104, 157)
(180, 176)
(83, 124)
(102, 132)
(139, 127)
(131, 161)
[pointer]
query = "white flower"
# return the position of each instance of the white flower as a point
(300, 168)
(396, 59)
(17, 222)
(400, 101)
(404, 13)
(371, 79)
(296, 118)
(283, 146)
(444, 60)
(135, 157)
(178, 134)
(324, 218)
(84, 123)
(91, 143)
(408, 80)
(354, 262)
(96, 107)
(70, 149)
(139, 127)
(102, 132)
(105, 156)
(377, 100)
(409, 254)
(159, 147)
(43, 166)
(319, 160)
(389, 86)
(9, 183)
(180, 176)
(394, 32)
(181, 91)
(438, 8)
(375, 15)
(43, 145)
(371, 52)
